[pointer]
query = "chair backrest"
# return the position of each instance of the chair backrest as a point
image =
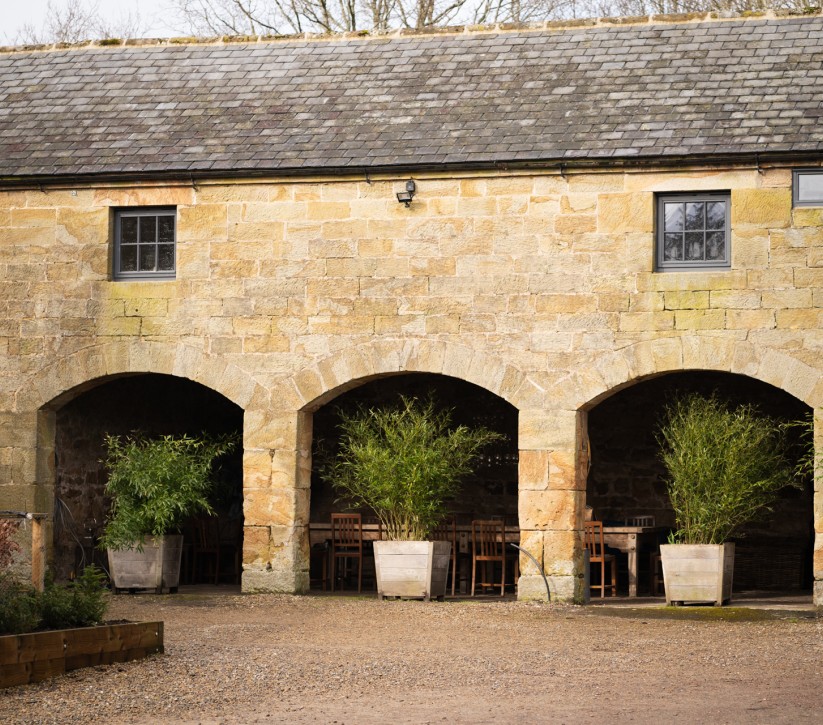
(640, 521)
(207, 532)
(374, 521)
(446, 530)
(489, 537)
(593, 532)
(346, 530)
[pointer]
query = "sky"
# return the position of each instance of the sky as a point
(16, 13)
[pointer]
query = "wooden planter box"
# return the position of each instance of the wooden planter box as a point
(37, 656)
(698, 573)
(412, 569)
(157, 567)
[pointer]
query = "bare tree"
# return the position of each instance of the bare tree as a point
(71, 21)
(75, 20)
(289, 16)
(521, 11)
(419, 14)
(68, 22)
(234, 17)
(253, 17)
(126, 25)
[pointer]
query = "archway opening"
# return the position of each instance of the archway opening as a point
(490, 492)
(626, 479)
(152, 404)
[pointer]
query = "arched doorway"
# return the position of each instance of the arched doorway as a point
(626, 476)
(153, 404)
(492, 491)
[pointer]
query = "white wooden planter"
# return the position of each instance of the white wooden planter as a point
(698, 573)
(156, 567)
(412, 569)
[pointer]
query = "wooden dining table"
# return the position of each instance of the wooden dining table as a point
(629, 540)
(320, 533)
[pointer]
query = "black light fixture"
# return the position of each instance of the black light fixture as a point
(405, 197)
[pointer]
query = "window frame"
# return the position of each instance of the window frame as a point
(796, 174)
(142, 211)
(661, 265)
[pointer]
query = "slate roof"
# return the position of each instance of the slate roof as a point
(601, 94)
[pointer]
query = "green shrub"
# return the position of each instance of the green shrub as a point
(19, 606)
(157, 483)
(404, 463)
(808, 459)
(8, 546)
(725, 466)
(78, 604)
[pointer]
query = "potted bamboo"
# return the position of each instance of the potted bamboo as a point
(405, 463)
(725, 467)
(155, 484)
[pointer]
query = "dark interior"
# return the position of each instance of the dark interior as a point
(155, 405)
(627, 478)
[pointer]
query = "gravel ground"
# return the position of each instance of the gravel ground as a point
(329, 659)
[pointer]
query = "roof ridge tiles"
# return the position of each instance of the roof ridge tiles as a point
(551, 25)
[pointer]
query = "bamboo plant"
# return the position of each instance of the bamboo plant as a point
(404, 463)
(725, 466)
(155, 484)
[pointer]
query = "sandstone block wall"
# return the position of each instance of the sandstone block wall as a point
(538, 287)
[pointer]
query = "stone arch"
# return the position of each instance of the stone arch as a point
(647, 359)
(71, 375)
(321, 381)
(622, 368)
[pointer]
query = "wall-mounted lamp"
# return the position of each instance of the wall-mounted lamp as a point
(405, 197)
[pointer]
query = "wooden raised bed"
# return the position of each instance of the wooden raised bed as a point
(37, 656)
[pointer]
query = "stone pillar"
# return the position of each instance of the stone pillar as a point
(817, 566)
(551, 495)
(276, 486)
(27, 473)
(26, 460)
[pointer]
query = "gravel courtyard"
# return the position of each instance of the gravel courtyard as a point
(258, 658)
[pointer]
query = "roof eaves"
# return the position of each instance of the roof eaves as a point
(799, 153)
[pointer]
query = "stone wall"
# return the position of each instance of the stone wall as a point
(537, 287)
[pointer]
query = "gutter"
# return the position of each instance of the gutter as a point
(559, 165)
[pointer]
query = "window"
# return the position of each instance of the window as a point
(693, 231)
(144, 243)
(807, 188)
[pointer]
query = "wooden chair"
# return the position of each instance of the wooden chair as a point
(446, 530)
(190, 538)
(347, 543)
(319, 562)
(489, 547)
(597, 555)
(656, 588)
(369, 565)
(206, 548)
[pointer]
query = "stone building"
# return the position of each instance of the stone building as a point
(206, 234)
